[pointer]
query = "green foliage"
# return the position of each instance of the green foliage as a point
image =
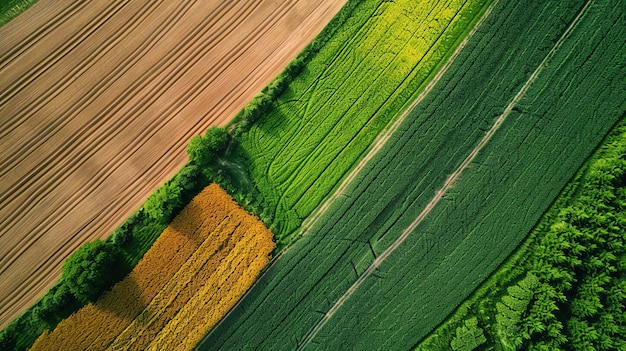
(135, 236)
(202, 150)
(359, 76)
(55, 305)
(468, 336)
(164, 203)
(58, 299)
(511, 310)
(262, 104)
(91, 270)
(480, 220)
(576, 252)
(9, 9)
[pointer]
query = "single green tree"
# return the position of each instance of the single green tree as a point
(202, 149)
(91, 270)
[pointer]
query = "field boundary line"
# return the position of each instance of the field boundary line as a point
(449, 181)
(382, 138)
(377, 145)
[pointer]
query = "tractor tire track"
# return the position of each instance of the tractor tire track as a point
(377, 145)
(449, 181)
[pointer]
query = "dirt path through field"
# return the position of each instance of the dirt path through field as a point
(447, 184)
(98, 100)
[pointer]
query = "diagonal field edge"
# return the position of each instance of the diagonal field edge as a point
(377, 145)
(448, 183)
(382, 139)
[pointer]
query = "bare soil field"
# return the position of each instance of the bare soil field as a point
(98, 100)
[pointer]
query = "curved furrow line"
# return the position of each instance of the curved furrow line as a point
(354, 63)
(337, 91)
(103, 138)
(70, 114)
(191, 94)
(159, 168)
(313, 154)
(188, 105)
(56, 89)
(343, 51)
(404, 80)
(376, 146)
(274, 167)
(110, 109)
(52, 59)
(289, 144)
(33, 38)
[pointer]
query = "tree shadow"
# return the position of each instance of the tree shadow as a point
(188, 221)
(124, 300)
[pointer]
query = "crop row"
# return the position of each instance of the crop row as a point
(573, 260)
(328, 117)
(579, 241)
(572, 104)
(482, 218)
(197, 269)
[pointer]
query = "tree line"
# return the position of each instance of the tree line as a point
(565, 288)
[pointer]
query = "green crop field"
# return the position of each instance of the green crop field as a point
(557, 71)
(564, 287)
(375, 64)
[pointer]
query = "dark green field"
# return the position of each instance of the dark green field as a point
(561, 114)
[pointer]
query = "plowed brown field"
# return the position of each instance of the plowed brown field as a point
(98, 100)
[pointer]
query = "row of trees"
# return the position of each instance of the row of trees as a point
(96, 266)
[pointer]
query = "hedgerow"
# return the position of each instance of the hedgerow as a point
(131, 239)
(139, 231)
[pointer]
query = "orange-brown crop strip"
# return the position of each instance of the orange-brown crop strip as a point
(212, 248)
(183, 285)
(221, 291)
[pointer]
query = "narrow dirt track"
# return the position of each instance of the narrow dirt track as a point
(98, 100)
